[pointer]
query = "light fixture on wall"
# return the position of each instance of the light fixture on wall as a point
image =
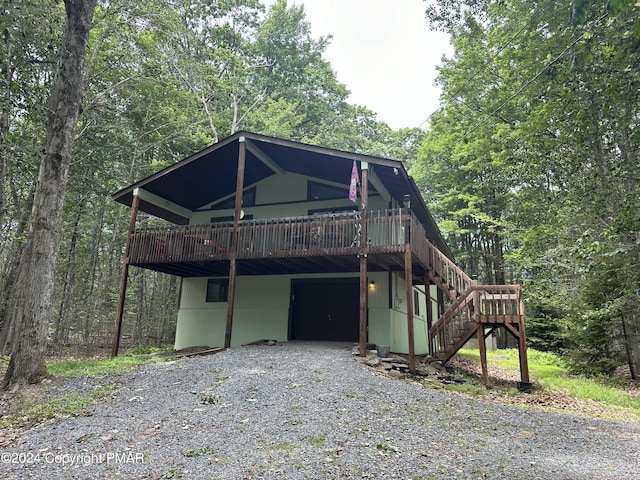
(372, 285)
(397, 301)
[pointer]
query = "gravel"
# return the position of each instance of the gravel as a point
(309, 411)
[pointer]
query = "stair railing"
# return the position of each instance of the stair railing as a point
(481, 304)
(454, 322)
(445, 272)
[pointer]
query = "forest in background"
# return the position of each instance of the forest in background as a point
(531, 165)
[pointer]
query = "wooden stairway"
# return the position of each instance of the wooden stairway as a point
(476, 310)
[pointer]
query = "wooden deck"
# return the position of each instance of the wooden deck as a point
(334, 243)
(309, 244)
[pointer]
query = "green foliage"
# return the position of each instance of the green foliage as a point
(99, 367)
(29, 409)
(201, 452)
(595, 354)
(386, 449)
(546, 333)
(470, 386)
(148, 350)
(526, 186)
(68, 406)
(317, 442)
(541, 364)
(209, 399)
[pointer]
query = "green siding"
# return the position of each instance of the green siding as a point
(277, 190)
(379, 313)
(399, 331)
(262, 312)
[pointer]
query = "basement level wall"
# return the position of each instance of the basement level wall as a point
(262, 312)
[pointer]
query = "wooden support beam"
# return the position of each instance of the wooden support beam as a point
(408, 275)
(163, 203)
(242, 152)
(512, 330)
(522, 353)
(482, 347)
(363, 306)
(230, 302)
(264, 158)
(427, 288)
(522, 342)
(441, 309)
(363, 254)
(379, 186)
(115, 344)
(520, 334)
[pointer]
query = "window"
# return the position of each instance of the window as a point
(217, 289)
(322, 191)
(229, 218)
(248, 200)
(226, 218)
(416, 302)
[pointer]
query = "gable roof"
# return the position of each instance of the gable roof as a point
(210, 175)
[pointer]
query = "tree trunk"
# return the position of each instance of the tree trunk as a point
(632, 347)
(9, 290)
(35, 280)
(69, 279)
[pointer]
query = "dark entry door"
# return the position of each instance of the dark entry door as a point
(326, 310)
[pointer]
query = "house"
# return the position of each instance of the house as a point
(274, 239)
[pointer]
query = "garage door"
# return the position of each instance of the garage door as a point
(325, 310)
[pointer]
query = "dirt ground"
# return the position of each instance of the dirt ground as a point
(503, 379)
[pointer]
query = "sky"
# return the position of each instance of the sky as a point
(385, 54)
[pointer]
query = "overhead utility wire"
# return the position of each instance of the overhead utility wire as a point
(529, 82)
(501, 49)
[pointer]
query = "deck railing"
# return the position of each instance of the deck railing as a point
(313, 235)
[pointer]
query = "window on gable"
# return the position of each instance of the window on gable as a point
(248, 200)
(322, 191)
(217, 290)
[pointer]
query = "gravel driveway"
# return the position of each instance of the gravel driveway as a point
(309, 411)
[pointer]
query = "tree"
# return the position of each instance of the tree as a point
(532, 161)
(25, 79)
(36, 277)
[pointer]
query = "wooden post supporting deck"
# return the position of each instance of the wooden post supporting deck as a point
(364, 252)
(408, 278)
(115, 344)
(482, 347)
(522, 352)
(362, 348)
(242, 150)
(427, 291)
(522, 343)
